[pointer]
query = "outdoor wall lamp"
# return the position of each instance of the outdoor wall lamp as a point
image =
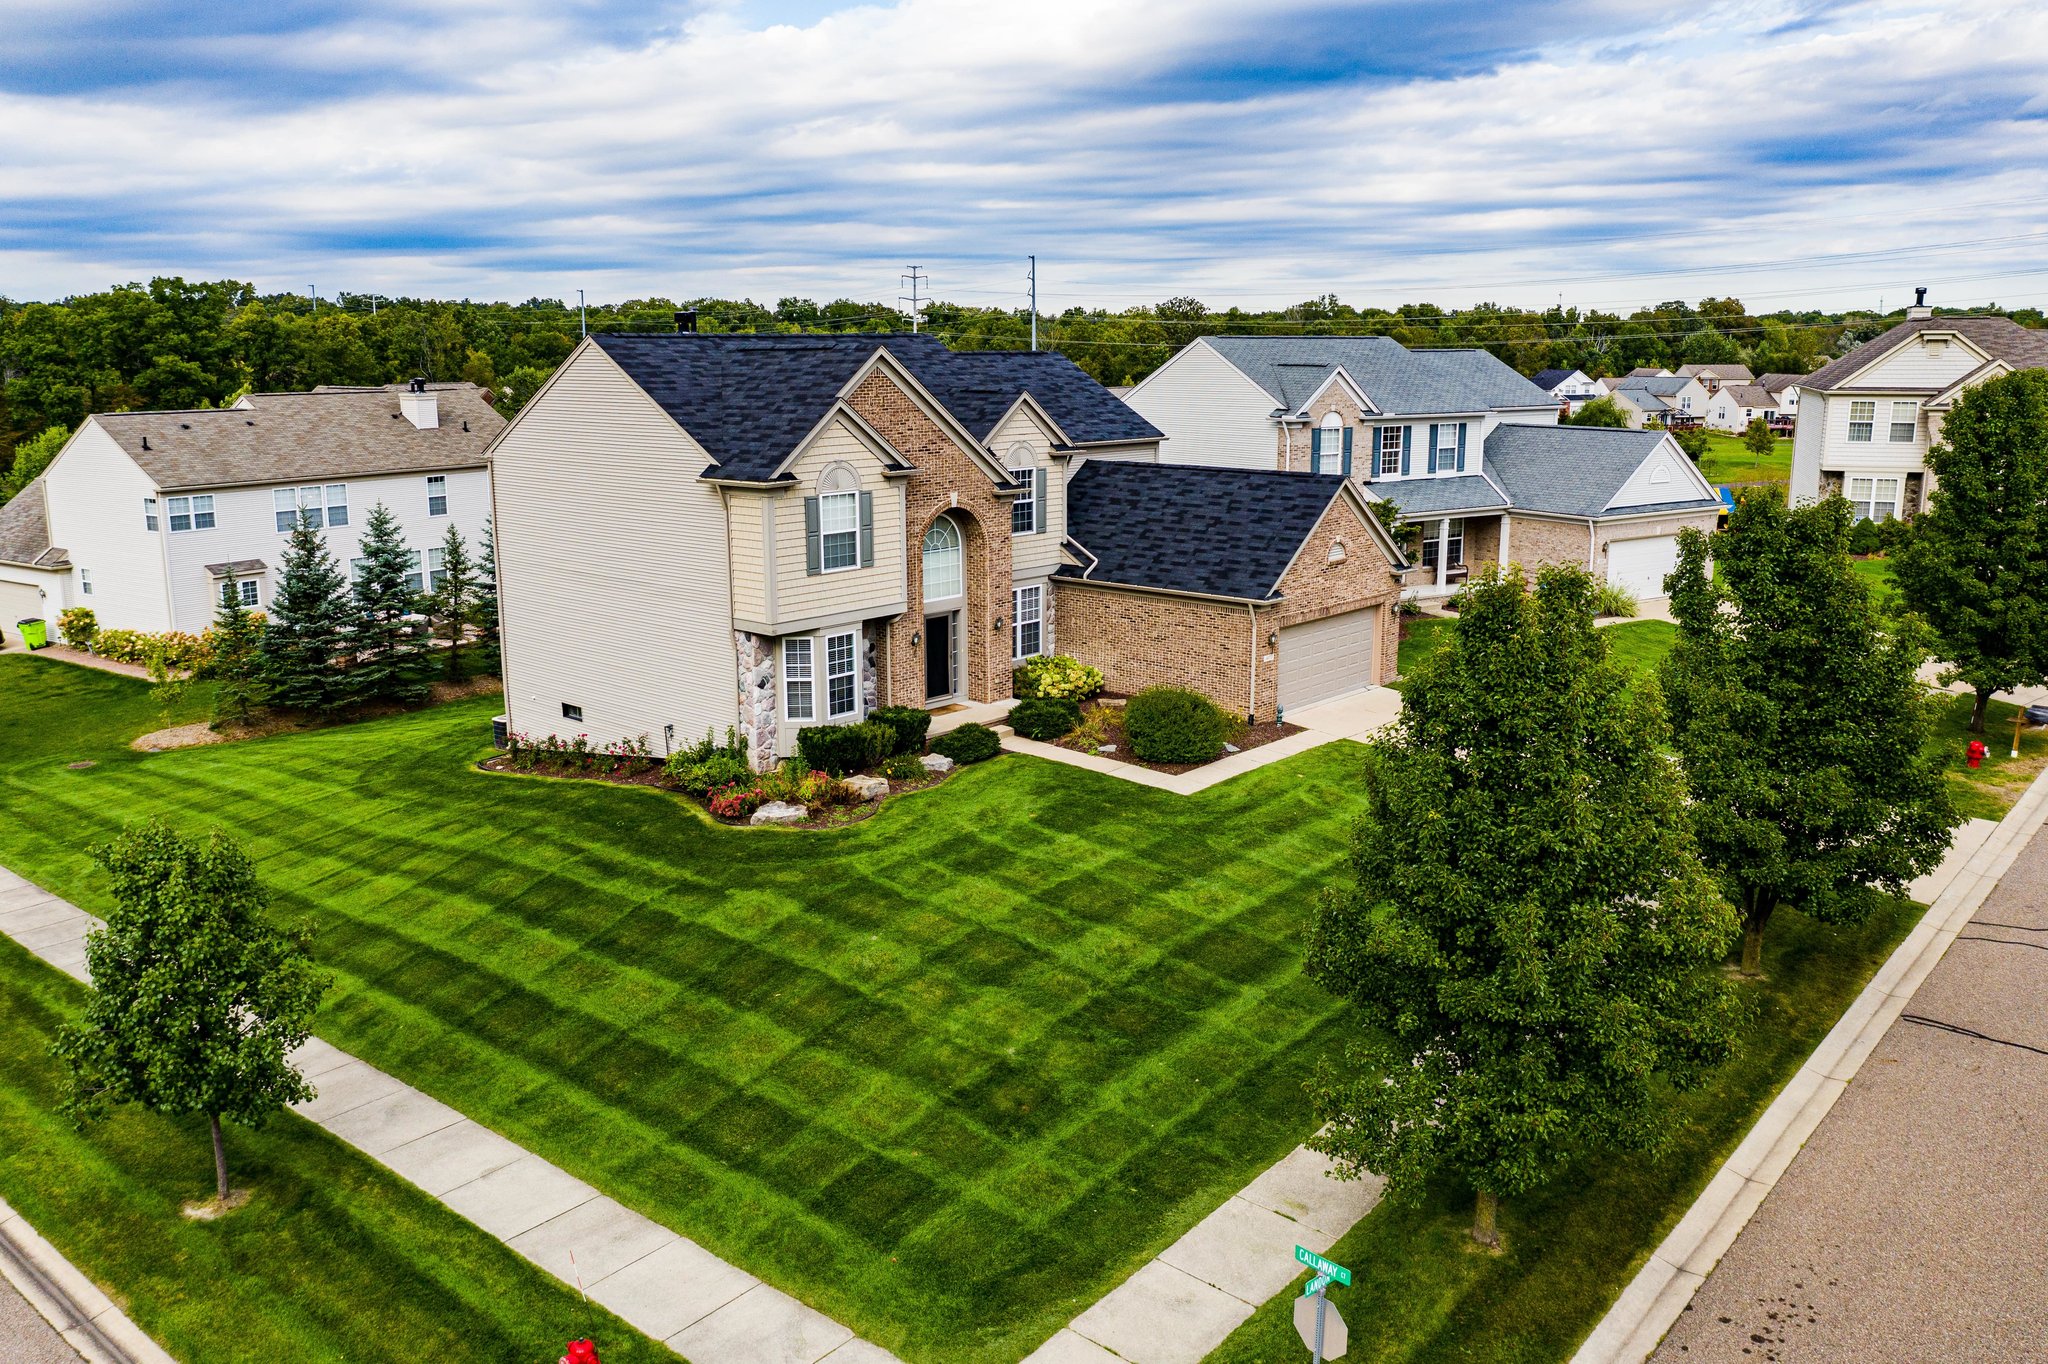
(998, 624)
(915, 638)
(1272, 636)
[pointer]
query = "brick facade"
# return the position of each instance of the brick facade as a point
(1146, 639)
(1533, 542)
(947, 482)
(1336, 398)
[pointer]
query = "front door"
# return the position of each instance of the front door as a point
(938, 657)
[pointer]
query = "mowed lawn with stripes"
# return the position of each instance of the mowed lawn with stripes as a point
(947, 1075)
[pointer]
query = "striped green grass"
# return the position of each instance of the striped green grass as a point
(947, 1074)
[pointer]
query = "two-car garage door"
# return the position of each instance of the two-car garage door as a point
(1640, 566)
(1327, 657)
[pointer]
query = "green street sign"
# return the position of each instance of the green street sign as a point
(1322, 1266)
(1315, 1285)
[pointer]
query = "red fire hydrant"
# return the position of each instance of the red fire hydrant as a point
(581, 1352)
(1977, 752)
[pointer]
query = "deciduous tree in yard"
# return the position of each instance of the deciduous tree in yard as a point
(1799, 720)
(307, 641)
(1599, 412)
(1529, 935)
(453, 603)
(1757, 437)
(389, 644)
(1976, 561)
(197, 999)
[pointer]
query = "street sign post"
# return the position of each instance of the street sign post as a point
(1321, 1326)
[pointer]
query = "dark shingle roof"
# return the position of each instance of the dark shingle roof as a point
(1185, 528)
(2000, 337)
(1778, 383)
(292, 437)
(25, 529)
(1571, 470)
(749, 399)
(1441, 496)
(1400, 382)
(1548, 379)
(1663, 385)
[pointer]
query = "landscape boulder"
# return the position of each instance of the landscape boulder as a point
(780, 812)
(937, 762)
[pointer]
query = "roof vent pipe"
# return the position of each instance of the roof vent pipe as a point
(1919, 308)
(686, 320)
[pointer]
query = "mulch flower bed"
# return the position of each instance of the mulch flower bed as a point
(1102, 723)
(637, 771)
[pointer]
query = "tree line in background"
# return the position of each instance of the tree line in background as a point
(174, 343)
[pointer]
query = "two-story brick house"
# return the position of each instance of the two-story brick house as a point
(143, 516)
(1867, 420)
(769, 532)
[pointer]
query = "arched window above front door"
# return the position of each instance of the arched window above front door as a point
(943, 578)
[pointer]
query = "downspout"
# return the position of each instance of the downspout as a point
(1592, 543)
(1252, 709)
(1287, 435)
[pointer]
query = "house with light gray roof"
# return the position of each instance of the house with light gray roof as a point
(149, 518)
(1467, 449)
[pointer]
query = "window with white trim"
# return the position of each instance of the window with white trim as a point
(337, 504)
(799, 700)
(1905, 421)
(842, 686)
(943, 577)
(149, 513)
(1447, 448)
(286, 504)
(85, 581)
(241, 590)
(1027, 622)
(437, 569)
(1024, 510)
(1390, 451)
(192, 513)
(414, 582)
(1454, 544)
(437, 494)
(1874, 499)
(1862, 418)
(838, 531)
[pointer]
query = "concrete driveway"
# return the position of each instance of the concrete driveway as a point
(1357, 716)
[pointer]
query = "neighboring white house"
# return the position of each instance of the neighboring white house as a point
(1732, 406)
(1570, 387)
(1784, 389)
(1866, 420)
(1714, 377)
(1669, 399)
(143, 516)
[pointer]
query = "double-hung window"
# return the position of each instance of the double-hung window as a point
(1453, 545)
(1874, 499)
(1024, 511)
(242, 590)
(1905, 421)
(413, 581)
(149, 513)
(1447, 448)
(1390, 451)
(1862, 417)
(85, 581)
(287, 503)
(437, 494)
(838, 531)
(192, 513)
(437, 569)
(799, 701)
(842, 687)
(1027, 622)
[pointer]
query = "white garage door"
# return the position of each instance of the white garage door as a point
(1641, 566)
(17, 601)
(1326, 658)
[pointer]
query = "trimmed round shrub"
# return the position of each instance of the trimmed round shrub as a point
(1866, 537)
(910, 725)
(1174, 725)
(969, 744)
(1045, 717)
(839, 749)
(1055, 675)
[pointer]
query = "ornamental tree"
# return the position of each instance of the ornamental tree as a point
(1800, 722)
(197, 999)
(306, 643)
(389, 643)
(1528, 933)
(1976, 561)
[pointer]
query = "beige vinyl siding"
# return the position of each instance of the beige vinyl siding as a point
(1879, 453)
(1211, 413)
(29, 593)
(95, 513)
(1034, 555)
(1681, 480)
(1919, 365)
(847, 594)
(611, 565)
(1132, 452)
(749, 524)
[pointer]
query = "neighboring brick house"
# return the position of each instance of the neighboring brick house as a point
(1867, 420)
(769, 532)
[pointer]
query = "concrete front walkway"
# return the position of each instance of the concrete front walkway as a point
(1185, 1302)
(663, 1284)
(1357, 716)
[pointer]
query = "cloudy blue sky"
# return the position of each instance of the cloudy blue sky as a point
(1786, 151)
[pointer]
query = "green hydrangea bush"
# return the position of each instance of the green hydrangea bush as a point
(1055, 676)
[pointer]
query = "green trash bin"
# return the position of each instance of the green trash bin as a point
(34, 633)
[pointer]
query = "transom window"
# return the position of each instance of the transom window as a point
(842, 692)
(943, 578)
(192, 513)
(149, 513)
(322, 506)
(799, 697)
(1027, 619)
(1905, 421)
(1024, 511)
(1390, 450)
(839, 530)
(1874, 499)
(437, 494)
(1862, 417)
(241, 590)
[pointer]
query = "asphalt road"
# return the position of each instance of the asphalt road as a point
(25, 1338)
(1910, 1230)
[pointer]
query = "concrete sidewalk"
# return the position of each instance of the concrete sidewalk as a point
(661, 1283)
